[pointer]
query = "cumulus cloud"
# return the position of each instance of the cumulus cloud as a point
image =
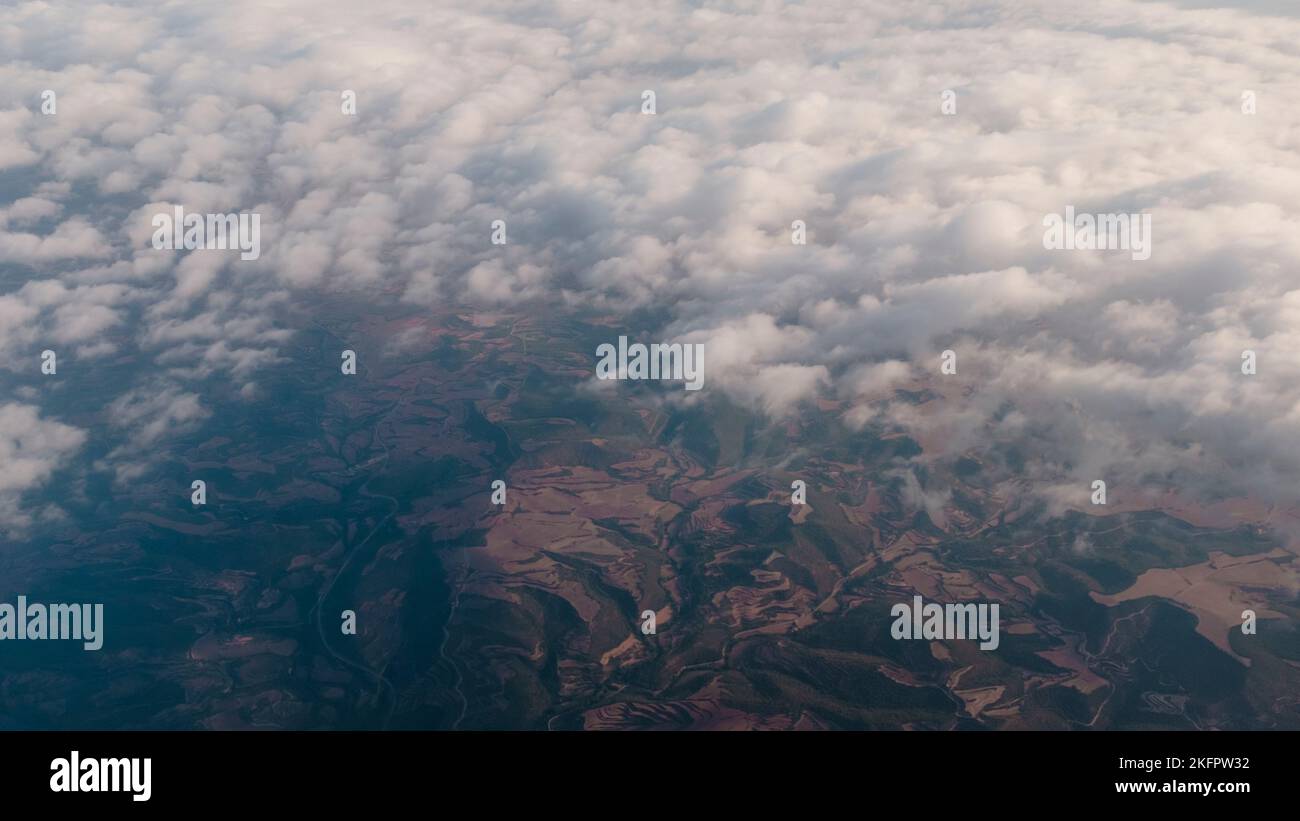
(32, 448)
(150, 417)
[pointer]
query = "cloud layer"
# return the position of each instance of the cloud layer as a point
(924, 230)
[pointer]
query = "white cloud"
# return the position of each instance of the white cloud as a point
(32, 448)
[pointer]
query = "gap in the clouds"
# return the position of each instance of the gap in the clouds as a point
(19, 182)
(1281, 8)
